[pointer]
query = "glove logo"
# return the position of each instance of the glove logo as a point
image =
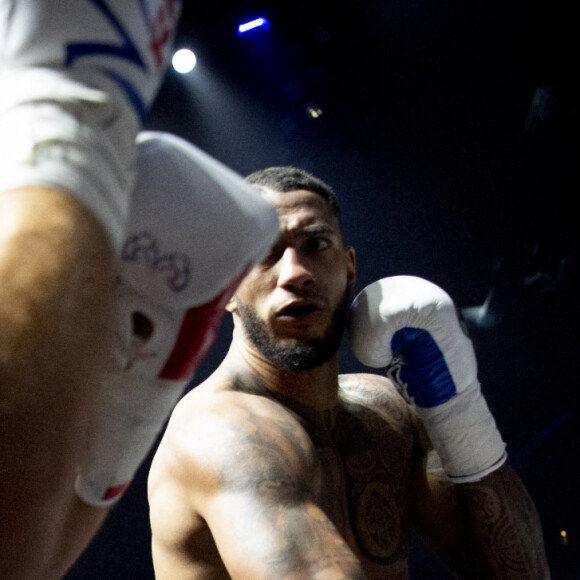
(173, 267)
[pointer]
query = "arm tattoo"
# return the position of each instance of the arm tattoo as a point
(504, 529)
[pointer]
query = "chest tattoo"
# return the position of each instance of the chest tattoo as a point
(375, 461)
(364, 448)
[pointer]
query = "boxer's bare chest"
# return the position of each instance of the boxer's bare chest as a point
(364, 448)
(365, 465)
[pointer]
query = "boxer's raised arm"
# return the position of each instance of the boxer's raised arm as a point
(484, 525)
(487, 529)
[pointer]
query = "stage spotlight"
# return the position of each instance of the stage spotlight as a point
(184, 61)
(253, 24)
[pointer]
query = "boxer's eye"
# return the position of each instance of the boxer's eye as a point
(317, 244)
(142, 326)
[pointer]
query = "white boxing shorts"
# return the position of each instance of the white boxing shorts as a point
(76, 80)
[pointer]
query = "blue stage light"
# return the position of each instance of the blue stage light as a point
(253, 24)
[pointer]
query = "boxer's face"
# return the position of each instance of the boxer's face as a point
(293, 305)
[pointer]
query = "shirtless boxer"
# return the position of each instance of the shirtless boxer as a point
(76, 81)
(279, 467)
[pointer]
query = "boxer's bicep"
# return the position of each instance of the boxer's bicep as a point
(181, 482)
(281, 539)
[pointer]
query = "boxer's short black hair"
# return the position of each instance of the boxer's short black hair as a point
(292, 178)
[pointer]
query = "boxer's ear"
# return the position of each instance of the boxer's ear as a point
(350, 266)
(232, 305)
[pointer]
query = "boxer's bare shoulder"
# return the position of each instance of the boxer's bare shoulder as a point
(365, 392)
(223, 448)
(372, 390)
(226, 413)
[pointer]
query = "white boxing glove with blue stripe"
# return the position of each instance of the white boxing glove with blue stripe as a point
(410, 326)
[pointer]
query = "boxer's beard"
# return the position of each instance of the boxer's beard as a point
(300, 356)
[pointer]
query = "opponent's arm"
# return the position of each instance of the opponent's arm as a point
(474, 511)
(71, 74)
(253, 479)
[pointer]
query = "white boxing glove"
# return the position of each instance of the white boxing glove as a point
(195, 229)
(410, 326)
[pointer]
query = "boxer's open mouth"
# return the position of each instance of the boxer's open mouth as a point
(298, 310)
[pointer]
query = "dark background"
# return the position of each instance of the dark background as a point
(449, 130)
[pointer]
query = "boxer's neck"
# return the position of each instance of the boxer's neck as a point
(316, 388)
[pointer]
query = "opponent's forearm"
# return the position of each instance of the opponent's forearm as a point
(501, 530)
